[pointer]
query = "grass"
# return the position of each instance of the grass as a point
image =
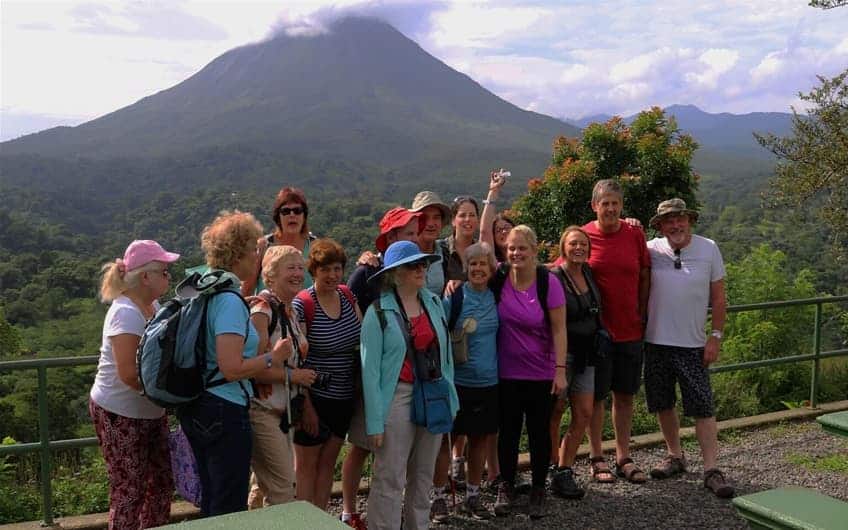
(836, 462)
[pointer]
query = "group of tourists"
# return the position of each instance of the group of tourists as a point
(432, 357)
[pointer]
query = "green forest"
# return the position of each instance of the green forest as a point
(60, 221)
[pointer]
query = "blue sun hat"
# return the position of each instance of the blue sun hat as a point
(403, 253)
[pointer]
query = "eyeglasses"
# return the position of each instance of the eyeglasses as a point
(503, 229)
(297, 210)
(677, 263)
(415, 266)
(463, 198)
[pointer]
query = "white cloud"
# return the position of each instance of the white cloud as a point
(715, 63)
(769, 66)
(561, 58)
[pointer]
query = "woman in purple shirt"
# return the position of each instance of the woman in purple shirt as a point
(531, 361)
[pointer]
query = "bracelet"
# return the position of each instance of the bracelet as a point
(269, 361)
(489, 201)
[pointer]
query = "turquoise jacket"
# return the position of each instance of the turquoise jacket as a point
(383, 352)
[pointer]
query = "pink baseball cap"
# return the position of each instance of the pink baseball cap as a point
(143, 251)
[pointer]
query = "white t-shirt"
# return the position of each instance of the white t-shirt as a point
(108, 391)
(677, 308)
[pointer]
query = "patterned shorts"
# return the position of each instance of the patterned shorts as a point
(666, 366)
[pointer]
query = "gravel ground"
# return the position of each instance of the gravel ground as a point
(753, 461)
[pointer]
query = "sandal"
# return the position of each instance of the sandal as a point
(601, 472)
(634, 476)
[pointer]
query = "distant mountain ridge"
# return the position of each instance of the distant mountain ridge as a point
(732, 133)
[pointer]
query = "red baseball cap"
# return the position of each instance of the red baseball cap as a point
(397, 217)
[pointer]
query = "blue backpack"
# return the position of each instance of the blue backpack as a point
(171, 356)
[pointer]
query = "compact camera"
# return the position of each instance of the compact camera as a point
(322, 380)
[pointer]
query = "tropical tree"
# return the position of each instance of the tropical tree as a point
(650, 157)
(812, 164)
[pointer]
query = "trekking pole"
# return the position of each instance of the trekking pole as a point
(450, 475)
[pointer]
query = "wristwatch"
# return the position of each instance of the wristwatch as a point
(269, 361)
(717, 334)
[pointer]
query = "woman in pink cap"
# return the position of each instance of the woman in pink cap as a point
(133, 432)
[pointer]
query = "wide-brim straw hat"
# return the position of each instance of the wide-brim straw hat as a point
(674, 206)
(403, 253)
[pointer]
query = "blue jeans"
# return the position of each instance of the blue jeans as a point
(221, 437)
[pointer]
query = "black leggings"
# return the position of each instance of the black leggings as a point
(522, 401)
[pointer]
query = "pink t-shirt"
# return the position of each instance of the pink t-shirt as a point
(525, 344)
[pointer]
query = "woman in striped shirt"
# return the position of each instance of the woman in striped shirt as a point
(332, 319)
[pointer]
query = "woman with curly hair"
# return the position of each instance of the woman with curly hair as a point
(217, 424)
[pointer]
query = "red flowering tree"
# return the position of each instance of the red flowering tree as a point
(650, 157)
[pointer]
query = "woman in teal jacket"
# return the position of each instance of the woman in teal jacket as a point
(404, 452)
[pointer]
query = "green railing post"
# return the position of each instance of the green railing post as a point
(45, 453)
(814, 383)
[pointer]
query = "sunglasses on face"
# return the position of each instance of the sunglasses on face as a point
(677, 263)
(297, 210)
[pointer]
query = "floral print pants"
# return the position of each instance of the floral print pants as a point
(139, 466)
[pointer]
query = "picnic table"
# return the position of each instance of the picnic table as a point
(835, 422)
(299, 514)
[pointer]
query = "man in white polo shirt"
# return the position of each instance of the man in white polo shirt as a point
(687, 277)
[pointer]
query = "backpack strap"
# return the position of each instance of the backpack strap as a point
(498, 281)
(542, 286)
(215, 371)
(308, 305)
(345, 290)
(444, 251)
(456, 299)
(273, 304)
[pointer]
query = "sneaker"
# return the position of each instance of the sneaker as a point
(473, 507)
(563, 485)
(669, 467)
(536, 507)
(522, 487)
(439, 511)
(506, 495)
(457, 471)
(356, 521)
(714, 481)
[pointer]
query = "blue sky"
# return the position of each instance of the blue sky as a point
(66, 62)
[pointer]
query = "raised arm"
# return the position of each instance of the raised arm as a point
(490, 208)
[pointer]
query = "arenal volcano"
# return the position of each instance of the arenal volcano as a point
(361, 92)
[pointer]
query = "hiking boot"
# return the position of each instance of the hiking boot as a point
(473, 507)
(536, 507)
(715, 482)
(669, 467)
(457, 470)
(506, 496)
(439, 511)
(356, 521)
(563, 485)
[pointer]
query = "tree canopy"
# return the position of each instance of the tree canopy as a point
(813, 162)
(650, 157)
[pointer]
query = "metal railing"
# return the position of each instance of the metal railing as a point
(45, 446)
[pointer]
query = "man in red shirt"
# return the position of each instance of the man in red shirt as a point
(621, 266)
